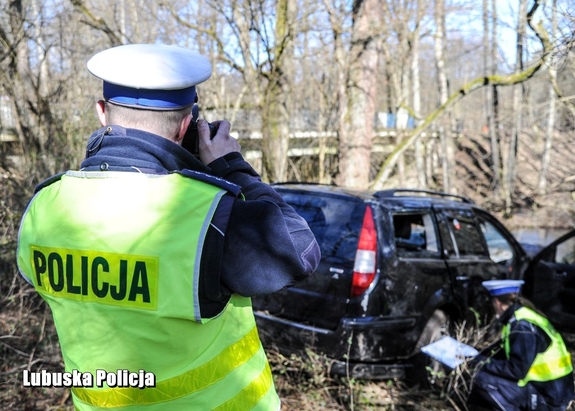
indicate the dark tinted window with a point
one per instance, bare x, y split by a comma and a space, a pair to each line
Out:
415, 234
335, 221
467, 237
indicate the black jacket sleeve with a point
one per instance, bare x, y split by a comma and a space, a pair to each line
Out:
267, 245
525, 342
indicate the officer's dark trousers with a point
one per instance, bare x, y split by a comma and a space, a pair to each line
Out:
495, 393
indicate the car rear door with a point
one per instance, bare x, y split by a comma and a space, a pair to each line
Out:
550, 281
418, 273
466, 252
322, 299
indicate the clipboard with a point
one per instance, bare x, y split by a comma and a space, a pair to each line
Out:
449, 351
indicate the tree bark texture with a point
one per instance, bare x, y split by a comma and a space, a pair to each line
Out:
357, 111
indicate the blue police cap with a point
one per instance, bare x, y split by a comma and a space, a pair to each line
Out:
150, 76
501, 287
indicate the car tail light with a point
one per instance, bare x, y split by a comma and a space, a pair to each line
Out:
365, 257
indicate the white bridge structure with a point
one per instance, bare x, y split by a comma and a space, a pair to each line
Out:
245, 126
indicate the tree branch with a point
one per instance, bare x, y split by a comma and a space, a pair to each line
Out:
213, 35
97, 23
494, 80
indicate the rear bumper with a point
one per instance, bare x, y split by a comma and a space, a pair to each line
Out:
362, 348
352, 324
373, 324
364, 371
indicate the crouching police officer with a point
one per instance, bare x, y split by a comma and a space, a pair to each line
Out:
532, 370
148, 255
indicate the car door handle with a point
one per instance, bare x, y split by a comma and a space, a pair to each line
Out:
558, 274
462, 278
336, 272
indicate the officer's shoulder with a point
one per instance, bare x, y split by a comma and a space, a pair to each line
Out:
48, 181
213, 180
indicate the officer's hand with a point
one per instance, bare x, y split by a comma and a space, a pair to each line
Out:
220, 145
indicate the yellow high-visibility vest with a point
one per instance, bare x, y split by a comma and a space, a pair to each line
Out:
117, 257
553, 363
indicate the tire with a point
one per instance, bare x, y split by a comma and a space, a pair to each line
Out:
424, 371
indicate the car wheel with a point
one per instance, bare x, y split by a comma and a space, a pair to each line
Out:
425, 371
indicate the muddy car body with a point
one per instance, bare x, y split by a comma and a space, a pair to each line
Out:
397, 268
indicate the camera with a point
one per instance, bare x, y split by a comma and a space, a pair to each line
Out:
191, 141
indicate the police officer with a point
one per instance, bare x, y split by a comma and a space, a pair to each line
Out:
532, 368
148, 255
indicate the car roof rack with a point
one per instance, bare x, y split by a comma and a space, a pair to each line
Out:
393, 192
303, 183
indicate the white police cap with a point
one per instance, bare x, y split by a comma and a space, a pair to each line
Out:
501, 287
150, 76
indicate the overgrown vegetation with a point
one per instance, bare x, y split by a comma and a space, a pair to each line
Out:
48, 114
28, 341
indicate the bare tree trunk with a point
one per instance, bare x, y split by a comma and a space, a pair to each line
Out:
123, 35
445, 132
322, 125
357, 116
275, 111
41, 52
545, 160
494, 129
490, 59
486, 60
419, 146
402, 114
517, 110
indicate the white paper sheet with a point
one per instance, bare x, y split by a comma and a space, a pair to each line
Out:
449, 351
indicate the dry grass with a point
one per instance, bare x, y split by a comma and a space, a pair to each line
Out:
28, 341
305, 384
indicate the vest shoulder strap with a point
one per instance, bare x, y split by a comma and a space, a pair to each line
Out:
196, 175
533, 317
213, 180
48, 181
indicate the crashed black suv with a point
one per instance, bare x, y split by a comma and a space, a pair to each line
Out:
397, 267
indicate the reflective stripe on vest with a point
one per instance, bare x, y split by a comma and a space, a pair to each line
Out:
117, 257
553, 363
190, 382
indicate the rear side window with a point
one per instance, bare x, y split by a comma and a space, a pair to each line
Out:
335, 222
415, 234
566, 252
468, 238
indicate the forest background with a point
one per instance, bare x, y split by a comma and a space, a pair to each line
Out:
470, 97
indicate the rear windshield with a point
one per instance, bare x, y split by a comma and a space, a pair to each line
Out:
335, 222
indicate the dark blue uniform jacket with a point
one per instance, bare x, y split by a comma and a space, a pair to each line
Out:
267, 246
526, 340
